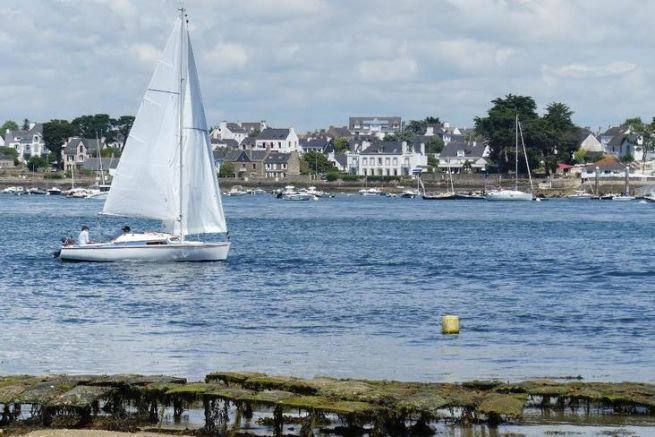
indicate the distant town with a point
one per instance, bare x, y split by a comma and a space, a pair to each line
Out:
371, 146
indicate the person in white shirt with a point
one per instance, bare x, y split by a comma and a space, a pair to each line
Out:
84, 238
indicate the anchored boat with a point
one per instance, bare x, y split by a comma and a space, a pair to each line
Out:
166, 171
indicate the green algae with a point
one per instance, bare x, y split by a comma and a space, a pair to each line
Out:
81, 396
505, 406
326, 405
385, 406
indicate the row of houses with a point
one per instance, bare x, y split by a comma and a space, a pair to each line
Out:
618, 141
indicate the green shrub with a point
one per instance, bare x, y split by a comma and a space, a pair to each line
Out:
349, 177
332, 176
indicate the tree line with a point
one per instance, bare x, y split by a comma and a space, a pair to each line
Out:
56, 131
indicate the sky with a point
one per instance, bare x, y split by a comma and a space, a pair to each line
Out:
313, 63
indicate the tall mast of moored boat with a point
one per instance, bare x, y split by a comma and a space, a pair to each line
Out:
516, 153
181, 112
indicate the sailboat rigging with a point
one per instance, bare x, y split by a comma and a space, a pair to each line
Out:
515, 194
166, 171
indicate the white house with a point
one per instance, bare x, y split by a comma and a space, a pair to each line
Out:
320, 145
229, 131
278, 140
377, 126
589, 142
626, 144
388, 158
456, 155
27, 143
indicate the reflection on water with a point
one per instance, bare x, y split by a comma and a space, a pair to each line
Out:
348, 287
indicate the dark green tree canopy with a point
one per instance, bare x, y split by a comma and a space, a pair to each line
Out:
55, 134
418, 127
317, 162
9, 124
549, 139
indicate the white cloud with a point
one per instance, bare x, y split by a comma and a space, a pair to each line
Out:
337, 58
387, 70
583, 71
146, 53
227, 57
123, 8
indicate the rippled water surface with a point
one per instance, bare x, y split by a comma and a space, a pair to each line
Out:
348, 287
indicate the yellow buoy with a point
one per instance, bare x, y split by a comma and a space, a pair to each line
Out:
449, 324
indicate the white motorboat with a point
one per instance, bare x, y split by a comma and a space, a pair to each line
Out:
314, 192
166, 171
76, 193
237, 190
290, 193
580, 195
54, 191
501, 194
371, 192
623, 198
37, 192
409, 193
14, 190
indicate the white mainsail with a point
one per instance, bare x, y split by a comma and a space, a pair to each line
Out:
147, 182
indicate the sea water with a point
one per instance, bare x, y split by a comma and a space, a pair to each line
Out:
347, 287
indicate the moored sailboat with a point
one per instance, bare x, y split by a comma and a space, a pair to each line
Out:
166, 171
515, 194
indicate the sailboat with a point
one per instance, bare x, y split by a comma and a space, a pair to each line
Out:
166, 171
515, 194
451, 194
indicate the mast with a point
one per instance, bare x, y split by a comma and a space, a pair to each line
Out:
525, 154
102, 174
181, 112
516, 153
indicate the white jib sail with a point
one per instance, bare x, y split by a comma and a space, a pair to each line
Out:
202, 209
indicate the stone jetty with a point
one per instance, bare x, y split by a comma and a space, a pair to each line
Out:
234, 402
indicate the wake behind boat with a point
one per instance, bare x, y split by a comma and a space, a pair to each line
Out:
166, 171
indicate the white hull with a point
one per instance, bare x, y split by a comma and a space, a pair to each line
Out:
169, 252
505, 195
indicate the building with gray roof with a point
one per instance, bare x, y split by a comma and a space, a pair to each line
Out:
27, 143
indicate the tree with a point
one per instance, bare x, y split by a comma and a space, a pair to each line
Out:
627, 158
55, 134
560, 136
37, 162
92, 126
107, 152
435, 145
123, 126
498, 127
9, 151
26, 124
8, 125
341, 145
646, 133
254, 133
418, 127
580, 156
317, 162
433, 162
226, 170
